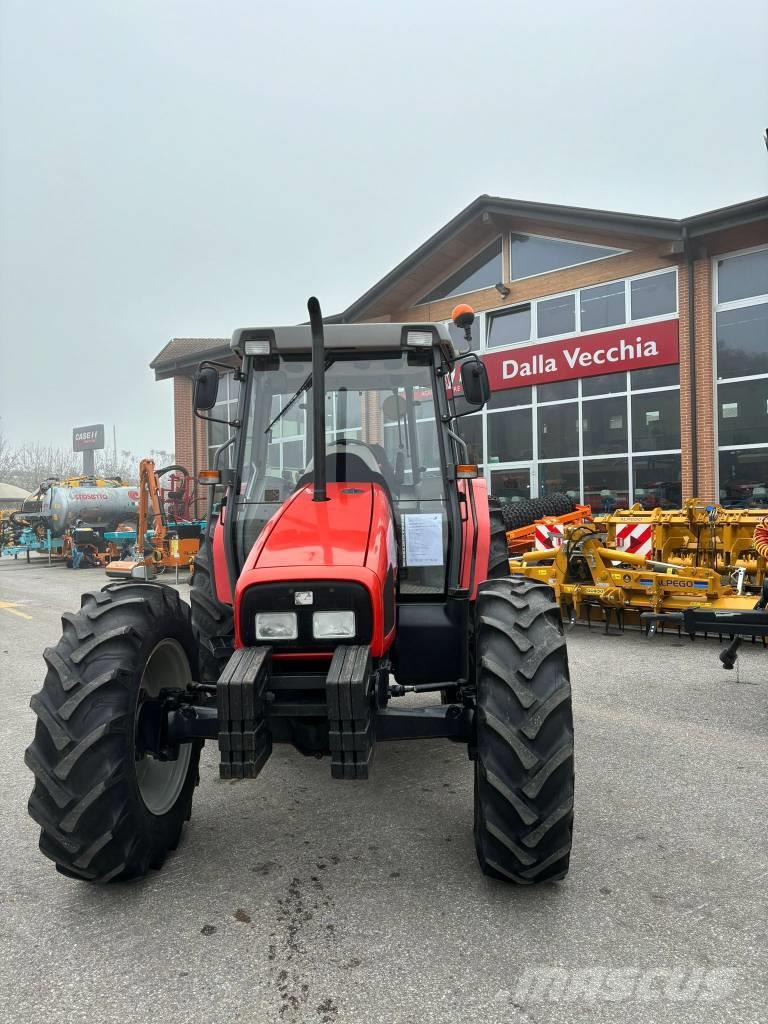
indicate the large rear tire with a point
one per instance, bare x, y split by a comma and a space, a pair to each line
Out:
498, 555
524, 776
211, 619
108, 811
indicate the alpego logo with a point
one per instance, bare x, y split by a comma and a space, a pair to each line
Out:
634, 348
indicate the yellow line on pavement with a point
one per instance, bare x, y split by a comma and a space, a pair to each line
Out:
10, 606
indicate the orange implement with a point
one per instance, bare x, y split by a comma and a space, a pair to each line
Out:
524, 538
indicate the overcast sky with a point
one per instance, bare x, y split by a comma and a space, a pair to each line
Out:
185, 167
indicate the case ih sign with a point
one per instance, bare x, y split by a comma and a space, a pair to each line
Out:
88, 439
628, 348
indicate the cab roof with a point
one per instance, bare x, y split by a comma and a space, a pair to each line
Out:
362, 337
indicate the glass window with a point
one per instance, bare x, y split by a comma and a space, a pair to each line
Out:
458, 338
604, 426
509, 327
293, 455
429, 455
556, 316
560, 478
655, 377
742, 341
558, 431
484, 271
653, 296
743, 412
606, 484
471, 431
744, 478
509, 397
217, 432
742, 277
510, 436
558, 391
604, 384
535, 254
602, 306
656, 481
511, 485
656, 421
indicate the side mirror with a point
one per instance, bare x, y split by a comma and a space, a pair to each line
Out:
474, 384
206, 389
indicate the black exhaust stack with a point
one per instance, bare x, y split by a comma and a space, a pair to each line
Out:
318, 400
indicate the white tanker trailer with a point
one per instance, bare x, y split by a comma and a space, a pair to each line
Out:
59, 507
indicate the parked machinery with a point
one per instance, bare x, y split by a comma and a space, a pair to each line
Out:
161, 540
587, 573
698, 535
69, 517
545, 521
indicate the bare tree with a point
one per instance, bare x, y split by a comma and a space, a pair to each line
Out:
7, 460
29, 465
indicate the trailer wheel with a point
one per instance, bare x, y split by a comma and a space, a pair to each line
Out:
524, 777
211, 619
107, 810
522, 513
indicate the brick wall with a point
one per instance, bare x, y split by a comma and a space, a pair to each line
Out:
183, 421
704, 405
190, 453
686, 456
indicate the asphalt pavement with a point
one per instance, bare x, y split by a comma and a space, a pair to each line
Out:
297, 898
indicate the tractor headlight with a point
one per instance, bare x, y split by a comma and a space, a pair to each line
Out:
333, 625
276, 626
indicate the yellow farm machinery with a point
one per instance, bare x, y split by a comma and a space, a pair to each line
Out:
658, 562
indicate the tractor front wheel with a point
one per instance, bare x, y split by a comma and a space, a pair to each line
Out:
524, 776
108, 809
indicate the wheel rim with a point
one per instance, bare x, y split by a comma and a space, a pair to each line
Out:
161, 782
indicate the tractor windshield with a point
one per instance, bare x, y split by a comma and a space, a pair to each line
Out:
379, 409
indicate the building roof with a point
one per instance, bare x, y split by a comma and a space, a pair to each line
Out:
469, 230
488, 209
10, 492
181, 353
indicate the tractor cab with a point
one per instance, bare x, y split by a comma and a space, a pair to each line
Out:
388, 402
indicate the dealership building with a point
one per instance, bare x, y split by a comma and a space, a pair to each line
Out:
627, 355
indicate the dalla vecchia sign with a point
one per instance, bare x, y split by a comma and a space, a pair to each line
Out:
627, 348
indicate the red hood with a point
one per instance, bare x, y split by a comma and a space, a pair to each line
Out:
318, 533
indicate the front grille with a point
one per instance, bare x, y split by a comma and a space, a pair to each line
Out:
329, 595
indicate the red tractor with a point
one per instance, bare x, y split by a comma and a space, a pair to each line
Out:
355, 557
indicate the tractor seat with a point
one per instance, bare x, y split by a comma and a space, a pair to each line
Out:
350, 464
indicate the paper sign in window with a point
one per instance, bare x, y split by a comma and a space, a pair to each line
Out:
423, 537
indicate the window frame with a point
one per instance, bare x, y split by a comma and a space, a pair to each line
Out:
483, 316
427, 301
719, 307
